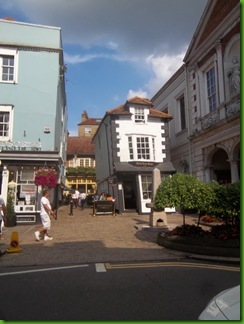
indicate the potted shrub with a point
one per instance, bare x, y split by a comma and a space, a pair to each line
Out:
10, 219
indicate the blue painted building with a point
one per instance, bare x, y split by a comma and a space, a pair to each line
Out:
33, 111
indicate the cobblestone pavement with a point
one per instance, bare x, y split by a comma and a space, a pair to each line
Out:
83, 238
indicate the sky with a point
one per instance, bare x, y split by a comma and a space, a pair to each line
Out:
113, 49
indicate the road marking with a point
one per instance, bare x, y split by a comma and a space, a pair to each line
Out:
110, 266
42, 270
100, 267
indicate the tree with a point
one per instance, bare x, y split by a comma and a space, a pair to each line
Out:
178, 190
227, 202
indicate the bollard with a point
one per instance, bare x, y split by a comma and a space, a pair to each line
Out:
71, 204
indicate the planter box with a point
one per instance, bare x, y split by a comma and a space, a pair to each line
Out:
199, 245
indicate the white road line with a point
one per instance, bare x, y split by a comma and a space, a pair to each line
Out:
100, 267
42, 270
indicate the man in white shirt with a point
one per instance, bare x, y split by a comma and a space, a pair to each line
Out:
46, 211
82, 200
75, 198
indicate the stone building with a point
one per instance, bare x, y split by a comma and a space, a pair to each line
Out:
131, 141
204, 98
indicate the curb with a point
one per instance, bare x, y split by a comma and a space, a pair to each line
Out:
214, 258
198, 246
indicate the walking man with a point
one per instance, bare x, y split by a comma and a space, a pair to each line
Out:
82, 200
46, 211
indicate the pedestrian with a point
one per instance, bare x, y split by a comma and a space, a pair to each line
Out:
46, 211
2, 213
82, 200
75, 197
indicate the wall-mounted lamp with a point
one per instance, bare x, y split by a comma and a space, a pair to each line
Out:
24, 133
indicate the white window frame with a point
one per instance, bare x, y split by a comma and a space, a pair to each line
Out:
140, 116
27, 175
202, 72
177, 109
211, 94
88, 130
133, 147
8, 109
4, 52
146, 187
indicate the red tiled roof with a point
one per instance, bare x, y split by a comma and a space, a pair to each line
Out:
91, 121
140, 101
80, 145
8, 18
123, 109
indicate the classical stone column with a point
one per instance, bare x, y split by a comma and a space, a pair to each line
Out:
234, 171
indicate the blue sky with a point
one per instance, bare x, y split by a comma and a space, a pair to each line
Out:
113, 49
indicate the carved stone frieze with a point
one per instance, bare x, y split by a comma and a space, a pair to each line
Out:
210, 120
233, 108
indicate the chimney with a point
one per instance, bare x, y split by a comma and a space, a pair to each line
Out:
84, 116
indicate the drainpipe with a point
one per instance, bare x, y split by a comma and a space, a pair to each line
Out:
188, 112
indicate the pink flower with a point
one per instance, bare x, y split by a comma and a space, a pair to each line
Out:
46, 177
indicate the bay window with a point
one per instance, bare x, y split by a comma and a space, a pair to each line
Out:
141, 148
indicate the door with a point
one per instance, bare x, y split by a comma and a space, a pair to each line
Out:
129, 194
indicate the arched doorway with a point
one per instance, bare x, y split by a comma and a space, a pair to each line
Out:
221, 167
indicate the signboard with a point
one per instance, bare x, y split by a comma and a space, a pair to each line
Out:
103, 207
25, 219
112, 181
144, 164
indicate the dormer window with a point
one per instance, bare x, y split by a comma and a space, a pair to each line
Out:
139, 115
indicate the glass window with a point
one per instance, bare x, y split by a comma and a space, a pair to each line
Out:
139, 115
7, 68
130, 148
211, 89
143, 149
182, 113
27, 175
146, 182
88, 130
4, 123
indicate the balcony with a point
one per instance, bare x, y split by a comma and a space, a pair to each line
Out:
20, 146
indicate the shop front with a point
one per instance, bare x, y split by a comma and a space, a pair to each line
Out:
18, 182
133, 186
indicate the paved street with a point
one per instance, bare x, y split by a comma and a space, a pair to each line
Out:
83, 238
132, 291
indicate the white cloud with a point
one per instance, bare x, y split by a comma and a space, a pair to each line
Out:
77, 58
163, 67
116, 98
137, 93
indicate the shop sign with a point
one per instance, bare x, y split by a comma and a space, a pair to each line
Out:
143, 164
25, 219
112, 181
104, 207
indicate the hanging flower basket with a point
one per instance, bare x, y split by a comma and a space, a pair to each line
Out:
46, 177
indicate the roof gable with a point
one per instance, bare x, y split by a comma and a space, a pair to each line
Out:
124, 108
215, 12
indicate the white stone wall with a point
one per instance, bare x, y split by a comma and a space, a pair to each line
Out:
125, 128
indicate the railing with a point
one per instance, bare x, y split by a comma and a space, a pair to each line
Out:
20, 146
